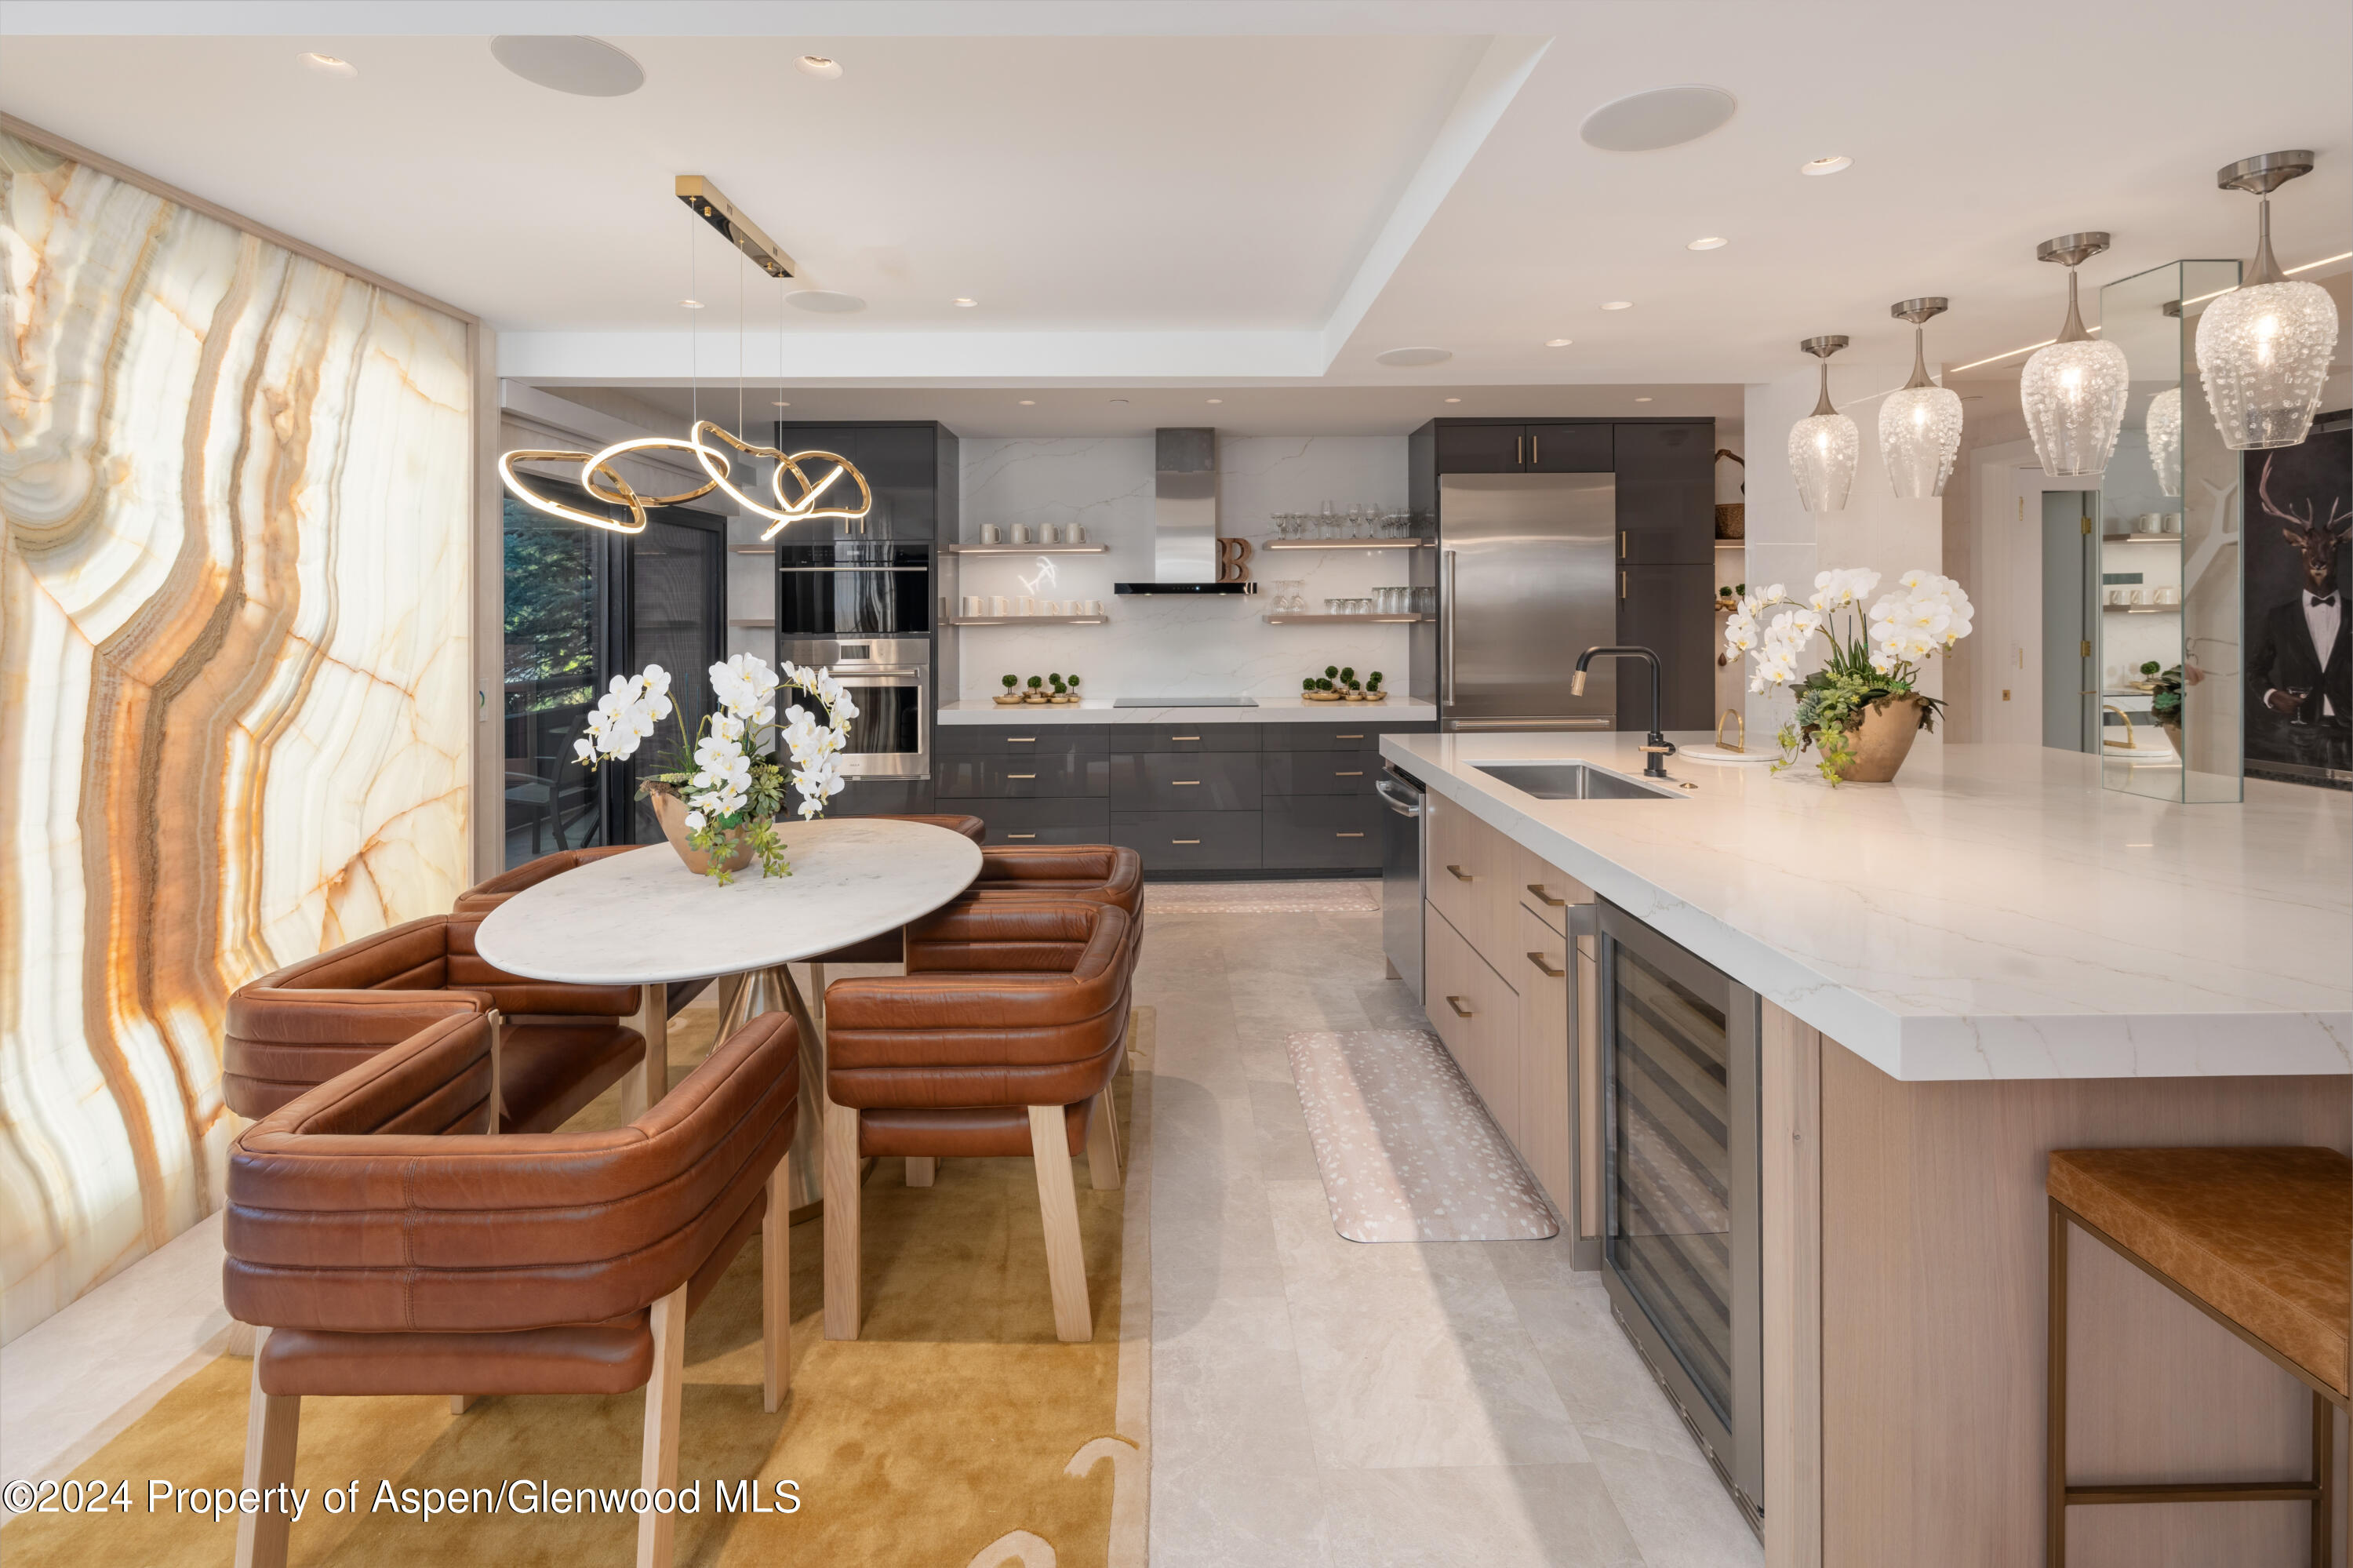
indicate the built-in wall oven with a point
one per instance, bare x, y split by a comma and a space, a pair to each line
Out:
1681, 1237
889, 679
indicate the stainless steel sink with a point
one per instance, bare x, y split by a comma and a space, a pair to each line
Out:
1570, 781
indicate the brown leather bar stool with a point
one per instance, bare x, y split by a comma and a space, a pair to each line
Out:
1001, 1038
384, 1249
294, 1028
2261, 1240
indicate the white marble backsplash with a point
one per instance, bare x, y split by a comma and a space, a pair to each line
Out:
1175, 646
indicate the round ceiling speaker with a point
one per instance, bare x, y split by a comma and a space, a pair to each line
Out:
1663, 117
825, 301
588, 68
1407, 357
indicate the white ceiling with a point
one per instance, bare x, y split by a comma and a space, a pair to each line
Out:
1217, 196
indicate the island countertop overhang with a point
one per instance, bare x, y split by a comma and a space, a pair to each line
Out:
1994, 914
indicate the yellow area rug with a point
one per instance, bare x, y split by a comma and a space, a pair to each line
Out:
958, 1432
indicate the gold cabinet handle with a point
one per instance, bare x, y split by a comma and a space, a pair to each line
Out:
1549, 972
1461, 874
1359, 773
1021, 835
1184, 840
1547, 898
1536, 449
1021, 776
1348, 737
1020, 740
1184, 780
1184, 738
1347, 835
1461, 1011
1518, 445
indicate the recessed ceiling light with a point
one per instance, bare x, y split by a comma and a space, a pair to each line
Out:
781, 404
1617, 305
1454, 399
1641, 399
1029, 402
825, 301
586, 67
1709, 242
690, 305
328, 64
1558, 342
1408, 357
1662, 117
1829, 165
964, 302
1217, 399
819, 66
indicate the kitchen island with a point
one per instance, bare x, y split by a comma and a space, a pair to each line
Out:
1991, 958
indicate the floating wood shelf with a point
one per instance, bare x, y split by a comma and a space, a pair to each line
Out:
1029, 620
1345, 619
1024, 549
1351, 545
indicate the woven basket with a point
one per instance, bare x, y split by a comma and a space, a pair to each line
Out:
1732, 520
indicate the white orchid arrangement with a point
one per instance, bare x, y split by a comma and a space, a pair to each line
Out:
728, 774
1876, 657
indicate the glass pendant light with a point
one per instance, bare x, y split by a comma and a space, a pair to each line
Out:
2264, 348
2073, 388
1920, 426
2165, 439
1823, 445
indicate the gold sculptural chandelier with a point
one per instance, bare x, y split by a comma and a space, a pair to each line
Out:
817, 500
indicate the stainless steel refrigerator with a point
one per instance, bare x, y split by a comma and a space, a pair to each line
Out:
1528, 579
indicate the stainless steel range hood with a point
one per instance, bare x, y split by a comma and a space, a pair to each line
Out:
1185, 517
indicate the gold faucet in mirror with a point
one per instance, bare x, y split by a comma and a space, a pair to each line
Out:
1735, 716
2126, 743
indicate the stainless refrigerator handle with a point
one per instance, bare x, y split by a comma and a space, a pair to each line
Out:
1446, 611
1388, 790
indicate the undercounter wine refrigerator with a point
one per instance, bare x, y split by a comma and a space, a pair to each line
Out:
1681, 1248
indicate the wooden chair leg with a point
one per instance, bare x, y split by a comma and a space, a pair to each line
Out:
1058, 1201
272, 1420
922, 1169
658, 1461
1102, 1142
842, 1222
776, 1291
2324, 1475
2054, 1401
656, 1066
817, 993
461, 1402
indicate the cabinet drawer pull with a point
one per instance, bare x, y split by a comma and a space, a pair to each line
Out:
1184, 840
1461, 1011
1020, 740
1461, 874
1021, 835
1347, 835
1184, 738
1359, 773
1547, 898
1348, 737
1184, 781
1549, 972
1021, 776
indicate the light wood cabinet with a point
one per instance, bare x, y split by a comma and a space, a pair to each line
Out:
1510, 987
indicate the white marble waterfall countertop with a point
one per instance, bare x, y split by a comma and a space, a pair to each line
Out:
1270, 710
1992, 913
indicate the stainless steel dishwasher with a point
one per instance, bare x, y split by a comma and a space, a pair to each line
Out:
1401, 875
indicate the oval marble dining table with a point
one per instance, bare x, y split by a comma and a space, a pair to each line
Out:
644, 919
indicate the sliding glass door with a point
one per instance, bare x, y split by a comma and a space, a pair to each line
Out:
583, 605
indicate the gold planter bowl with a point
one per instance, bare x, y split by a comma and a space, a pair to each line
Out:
671, 811
1882, 739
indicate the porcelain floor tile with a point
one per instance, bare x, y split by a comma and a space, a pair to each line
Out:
1479, 1517
1678, 1511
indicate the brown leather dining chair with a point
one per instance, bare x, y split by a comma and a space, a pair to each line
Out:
1001, 1038
296, 1028
386, 1246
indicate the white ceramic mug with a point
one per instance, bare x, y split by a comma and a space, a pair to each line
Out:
1052, 534
2166, 595
1026, 606
1094, 607
990, 533
1078, 532
1000, 605
2135, 596
1021, 533
972, 604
